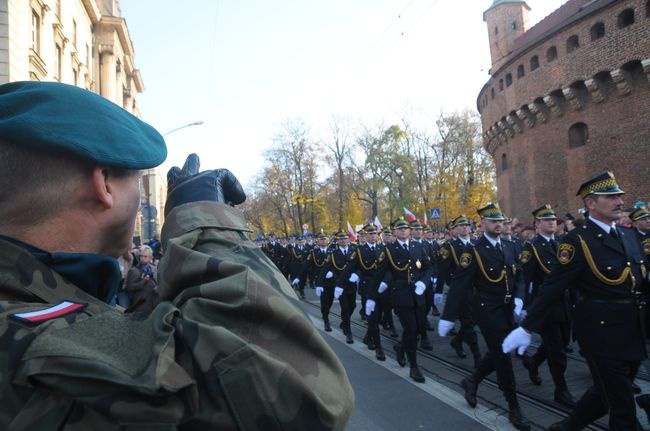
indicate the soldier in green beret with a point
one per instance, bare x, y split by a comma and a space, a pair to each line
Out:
70, 165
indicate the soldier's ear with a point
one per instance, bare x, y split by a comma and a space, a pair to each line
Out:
101, 188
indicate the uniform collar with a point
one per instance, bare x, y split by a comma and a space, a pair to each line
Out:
604, 226
494, 242
547, 238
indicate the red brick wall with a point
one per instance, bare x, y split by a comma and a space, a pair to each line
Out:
541, 166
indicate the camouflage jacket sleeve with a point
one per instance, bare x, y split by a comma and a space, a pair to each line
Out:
227, 348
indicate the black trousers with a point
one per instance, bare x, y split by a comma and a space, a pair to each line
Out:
373, 325
552, 350
386, 310
348, 300
495, 359
611, 393
410, 318
467, 333
326, 301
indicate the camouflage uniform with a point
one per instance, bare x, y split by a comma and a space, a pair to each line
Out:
224, 350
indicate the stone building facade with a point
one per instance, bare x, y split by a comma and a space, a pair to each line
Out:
567, 100
84, 43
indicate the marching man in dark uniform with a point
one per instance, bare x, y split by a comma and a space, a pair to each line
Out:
274, 251
537, 259
385, 304
490, 270
298, 265
406, 268
640, 218
315, 262
363, 268
417, 232
449, 255
344, 290
604, 265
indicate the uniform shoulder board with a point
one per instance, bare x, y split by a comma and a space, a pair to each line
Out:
465, 260
565, 253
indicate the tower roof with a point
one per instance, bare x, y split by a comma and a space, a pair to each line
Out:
500, 2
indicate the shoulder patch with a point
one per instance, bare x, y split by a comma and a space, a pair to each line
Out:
646, 246
465, 260
525, 256
565, 253
444, 253
61, 309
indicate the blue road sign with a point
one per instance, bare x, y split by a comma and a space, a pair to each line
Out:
434, 213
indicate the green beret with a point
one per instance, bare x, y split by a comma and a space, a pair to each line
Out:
55, 117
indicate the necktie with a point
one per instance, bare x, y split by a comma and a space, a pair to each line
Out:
614, 234
406, 247
553, 245
498, 247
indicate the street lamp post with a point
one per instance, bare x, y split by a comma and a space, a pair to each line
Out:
196, 123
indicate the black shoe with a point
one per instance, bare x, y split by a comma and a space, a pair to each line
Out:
401, 359
533, 373
349, 339
416, 375
470, 388
379, 354
518, 420
302, 295
457, 345
371, 345
328, 328
426, 345
635, 388
643, 401
434, 311
560, 426
565, 398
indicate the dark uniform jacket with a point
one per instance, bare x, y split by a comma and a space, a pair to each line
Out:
400, 270
449, 253
364, 265
336, 263
537, 259
297, 261
608, 277
316, 260
496, 280
432, 249
275, 252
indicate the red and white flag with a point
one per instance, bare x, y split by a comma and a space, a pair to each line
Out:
425, 219
409, 215
378, 224
351, 233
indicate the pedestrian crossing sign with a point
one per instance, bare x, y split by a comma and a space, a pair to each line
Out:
435, 213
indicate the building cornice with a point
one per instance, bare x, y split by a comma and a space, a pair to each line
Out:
119, 25
92, 10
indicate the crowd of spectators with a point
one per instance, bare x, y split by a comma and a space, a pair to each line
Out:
138, 291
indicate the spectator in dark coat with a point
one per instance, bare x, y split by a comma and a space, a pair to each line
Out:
141, 283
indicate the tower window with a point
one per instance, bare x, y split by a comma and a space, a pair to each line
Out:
508, 80
492, 92
500, 84
534, 62
578, 135
626, 18
572, 43
597, 31
551, 54
504, 161
496, 30
514, 25
520, 71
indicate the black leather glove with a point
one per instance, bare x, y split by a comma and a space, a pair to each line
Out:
189, 185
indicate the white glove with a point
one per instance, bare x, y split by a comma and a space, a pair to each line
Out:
444, 326
530, 288
420, 288
295, 282
329, 274
382, 286
338, 291
319, 291
519, 305
354, 278
517, 339
433, 280
523, 315
437, 298
370, 307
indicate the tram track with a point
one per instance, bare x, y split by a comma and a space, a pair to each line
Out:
535, 401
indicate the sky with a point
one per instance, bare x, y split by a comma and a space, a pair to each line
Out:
243, 67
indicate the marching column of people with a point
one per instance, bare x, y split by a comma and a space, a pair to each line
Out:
593, 278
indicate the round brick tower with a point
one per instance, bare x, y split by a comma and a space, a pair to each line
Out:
567, 100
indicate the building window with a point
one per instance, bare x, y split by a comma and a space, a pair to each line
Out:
578, 135
87, 55
572, 43
508, 80
492, 92
496, 30
520, 71
534, 62
551, 54
57, 62
504, 162
500, 84
514, 25
36, 32
75, 77
626, 18
597, 31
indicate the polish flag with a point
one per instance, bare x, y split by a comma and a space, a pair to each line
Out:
409, 215
425, 219
378, 224
351, 233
